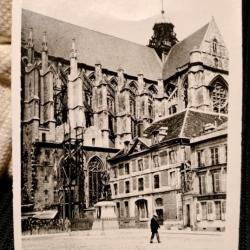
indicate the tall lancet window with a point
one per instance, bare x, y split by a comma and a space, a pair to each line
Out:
219, 96
215, 45
185, 92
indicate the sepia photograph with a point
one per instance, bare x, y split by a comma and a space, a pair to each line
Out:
126, 124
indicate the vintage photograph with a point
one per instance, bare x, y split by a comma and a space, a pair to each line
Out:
124, 124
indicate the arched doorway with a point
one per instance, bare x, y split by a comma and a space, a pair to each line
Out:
97, 180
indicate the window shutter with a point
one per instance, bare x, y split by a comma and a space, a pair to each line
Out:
134, 183
213, 213
164, 178
198, 211
122, 209
121, 187
222, 154
207, 157
209, 182
223, 180
146, 162
217, 182
134, 166
164, 157
223, 210
146, 181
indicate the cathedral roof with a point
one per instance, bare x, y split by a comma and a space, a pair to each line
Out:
186, 124
179, 53
93, 47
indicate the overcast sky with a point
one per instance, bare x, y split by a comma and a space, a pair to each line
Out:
134, 19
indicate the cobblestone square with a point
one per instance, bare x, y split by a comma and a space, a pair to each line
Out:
124, 240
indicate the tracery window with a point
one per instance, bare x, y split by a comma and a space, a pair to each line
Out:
60, 97
96, 176
219, 97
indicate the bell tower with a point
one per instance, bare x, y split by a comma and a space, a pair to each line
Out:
164, 36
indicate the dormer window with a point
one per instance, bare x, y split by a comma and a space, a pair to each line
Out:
155, 137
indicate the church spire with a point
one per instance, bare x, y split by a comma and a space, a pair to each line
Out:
162, 10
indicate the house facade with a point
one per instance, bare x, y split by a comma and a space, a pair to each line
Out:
204, 196
105, 118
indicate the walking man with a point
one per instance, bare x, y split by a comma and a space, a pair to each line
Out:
154, 225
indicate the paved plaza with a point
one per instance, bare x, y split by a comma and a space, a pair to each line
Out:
133, 239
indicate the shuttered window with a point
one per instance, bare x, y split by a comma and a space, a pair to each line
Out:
164, 178
140, 165
172, 157
156, 181
115, 188
217, 210
204, 210
134, 166
121, 187
156, 161
164, 157
209, 208
120, 169
200, 158
172, 179
216, 178
146, 162
203, 184
127, 168
134, 183
197, 208
126, 209
127, 187
146, 179
214, 156
223, 207
140, 184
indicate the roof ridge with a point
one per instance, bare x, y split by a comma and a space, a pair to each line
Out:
201, 28
83, 27
208, 112
179, 54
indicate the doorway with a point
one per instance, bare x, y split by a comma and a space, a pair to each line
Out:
159, 213
188, 215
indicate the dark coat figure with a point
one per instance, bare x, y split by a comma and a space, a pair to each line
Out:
154, 225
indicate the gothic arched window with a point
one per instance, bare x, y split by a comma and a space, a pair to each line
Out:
97, 179
219, 96
185, 92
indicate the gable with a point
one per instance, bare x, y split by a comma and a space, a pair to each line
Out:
180, 52
207, 47
139, 145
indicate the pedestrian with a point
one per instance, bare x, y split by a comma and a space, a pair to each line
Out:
67, 225
154, 225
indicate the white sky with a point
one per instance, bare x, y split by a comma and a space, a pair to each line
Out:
134, 19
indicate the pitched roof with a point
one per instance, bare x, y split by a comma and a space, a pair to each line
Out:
179, 53
173, 123
93, 47
186, 124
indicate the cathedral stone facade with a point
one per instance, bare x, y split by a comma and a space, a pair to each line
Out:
105, 118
